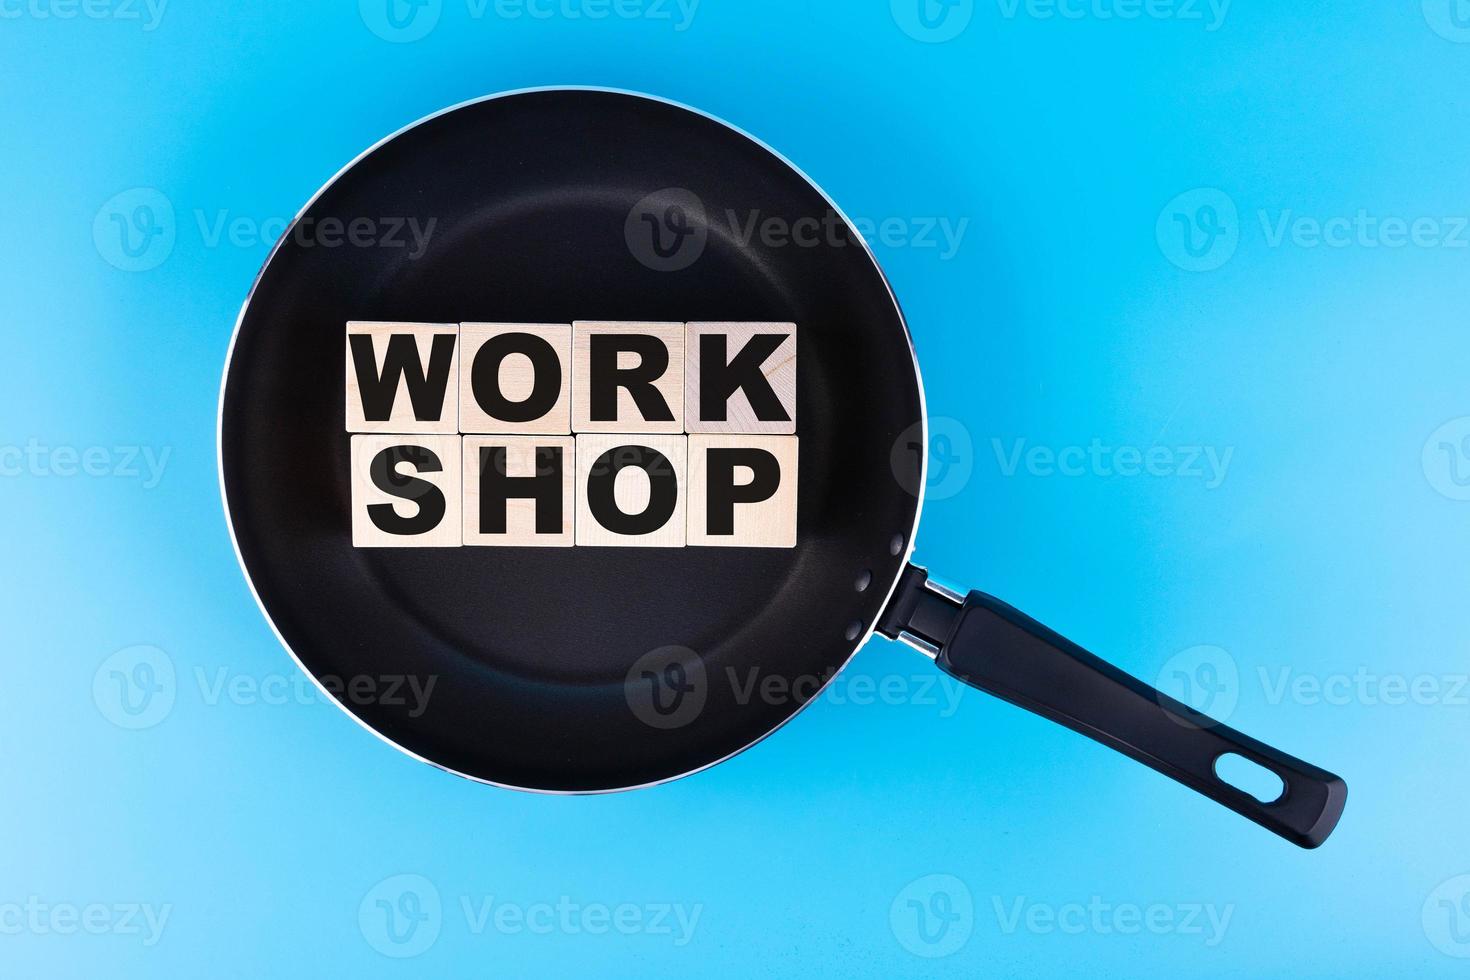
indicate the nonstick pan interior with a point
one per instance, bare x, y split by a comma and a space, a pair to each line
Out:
530, 649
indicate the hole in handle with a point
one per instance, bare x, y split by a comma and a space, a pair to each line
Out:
1249, 777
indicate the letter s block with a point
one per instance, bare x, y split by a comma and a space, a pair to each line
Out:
627, 377
518, 491
405, 491
402, 377
741, 377
742, 491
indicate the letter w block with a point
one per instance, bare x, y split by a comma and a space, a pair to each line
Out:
402, 377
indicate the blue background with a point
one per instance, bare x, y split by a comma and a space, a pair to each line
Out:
1332, 548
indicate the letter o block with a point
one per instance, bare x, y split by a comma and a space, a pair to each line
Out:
515, 377
631, 490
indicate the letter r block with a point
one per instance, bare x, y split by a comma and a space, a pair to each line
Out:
742, 491
402, 377
741, 377
627, 377
405, 491
518, 491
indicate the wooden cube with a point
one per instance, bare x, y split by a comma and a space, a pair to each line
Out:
631, 490
405, 491
740, 377
402, 377
515, 377
518, 491
742, 490
627, 377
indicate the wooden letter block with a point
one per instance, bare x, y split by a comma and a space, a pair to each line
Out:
402, 377
518, 491
740, 377
627, 377
405, 491
515, 377
631, 490
742, 491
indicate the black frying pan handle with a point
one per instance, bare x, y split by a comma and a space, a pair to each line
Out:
989, 645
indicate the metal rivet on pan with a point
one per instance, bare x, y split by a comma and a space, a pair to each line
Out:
895, 547
854, 630
864, 579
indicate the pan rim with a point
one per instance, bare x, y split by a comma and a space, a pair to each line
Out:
286, 235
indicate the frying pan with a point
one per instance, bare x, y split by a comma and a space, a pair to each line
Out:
594, 669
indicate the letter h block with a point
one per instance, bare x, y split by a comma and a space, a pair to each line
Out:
518, 491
